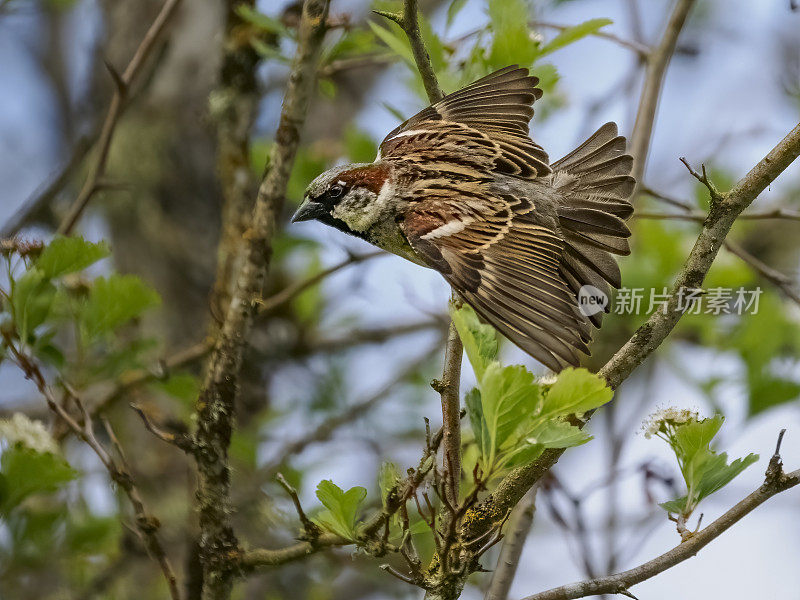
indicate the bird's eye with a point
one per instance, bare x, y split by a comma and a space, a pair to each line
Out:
335, 191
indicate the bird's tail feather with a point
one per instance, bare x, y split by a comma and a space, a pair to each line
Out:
595, 185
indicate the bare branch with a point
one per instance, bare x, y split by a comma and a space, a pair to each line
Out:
298, 287
778, 279
657, 63
775, 482
357, 410
517, 534
118, 101
311, 530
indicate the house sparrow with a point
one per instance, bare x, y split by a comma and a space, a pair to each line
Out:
461, 188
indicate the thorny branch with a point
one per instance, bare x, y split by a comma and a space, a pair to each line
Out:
775, 482
118, 101
146, 524
215, 406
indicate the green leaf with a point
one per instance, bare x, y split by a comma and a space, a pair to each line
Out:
114, 301
388, 478
573, 34
396, 42
558, 434
32, 298
512, 41
479, 339
676, 506
508, 396
24, 472
718, 473
576, 391
66, 255
477, 421
453, 10
262, 21
342, 508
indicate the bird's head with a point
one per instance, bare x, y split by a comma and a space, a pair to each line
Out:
351, 197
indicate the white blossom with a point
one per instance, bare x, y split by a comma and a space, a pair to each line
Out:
667, 418
32, 434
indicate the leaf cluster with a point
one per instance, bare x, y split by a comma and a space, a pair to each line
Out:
514, 417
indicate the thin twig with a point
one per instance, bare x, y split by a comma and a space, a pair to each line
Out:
777, 214
118, 102
311, 530
298, 287
641, 50
147, 525
657, 63
775, 482
409, 23
517, 534
778, 279
357, 410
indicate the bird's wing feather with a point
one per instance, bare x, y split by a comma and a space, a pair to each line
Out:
506, 266
491, 115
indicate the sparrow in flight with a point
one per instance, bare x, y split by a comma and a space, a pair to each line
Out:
461, 188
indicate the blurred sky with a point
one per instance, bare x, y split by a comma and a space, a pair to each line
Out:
724, 107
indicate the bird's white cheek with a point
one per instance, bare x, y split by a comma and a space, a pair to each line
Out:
357, 216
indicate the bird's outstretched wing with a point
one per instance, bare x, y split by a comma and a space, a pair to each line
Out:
484, 125
518, 265
506, 266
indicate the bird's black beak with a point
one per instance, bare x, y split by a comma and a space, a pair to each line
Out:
308, 211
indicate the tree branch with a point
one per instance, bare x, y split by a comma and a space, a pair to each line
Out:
508, 561
775, 482
118, 102
657, 62
215, 406
655, 330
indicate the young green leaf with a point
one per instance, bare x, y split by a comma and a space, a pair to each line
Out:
453, 10
66, 255
114, 301
557, 434
575, 391
32, 298
573, 34
508, 396
397, 43
388, 478
511, 41
342, 508
479, 339
24, 472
